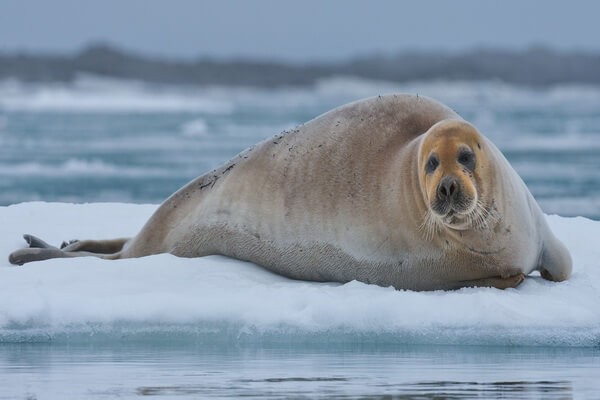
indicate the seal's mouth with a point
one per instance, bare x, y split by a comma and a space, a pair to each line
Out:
458, 208
453, 215
454, 218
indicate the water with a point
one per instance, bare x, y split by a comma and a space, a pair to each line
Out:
110, 140
196, 371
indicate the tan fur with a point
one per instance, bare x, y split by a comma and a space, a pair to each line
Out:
344, 197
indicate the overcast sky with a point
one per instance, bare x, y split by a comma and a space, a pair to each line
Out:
301, 30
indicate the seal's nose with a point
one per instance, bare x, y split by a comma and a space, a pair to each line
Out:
447, 189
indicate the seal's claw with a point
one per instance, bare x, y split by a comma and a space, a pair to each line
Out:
511, 281
518, 279
66, 243
546, 275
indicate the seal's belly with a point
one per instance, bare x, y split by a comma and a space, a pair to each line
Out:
325, 262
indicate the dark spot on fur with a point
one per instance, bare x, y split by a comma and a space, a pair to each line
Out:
478, 146
228, 169
210, 183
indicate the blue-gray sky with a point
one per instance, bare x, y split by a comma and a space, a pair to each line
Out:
301, 30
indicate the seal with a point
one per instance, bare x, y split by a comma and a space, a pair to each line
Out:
395, 190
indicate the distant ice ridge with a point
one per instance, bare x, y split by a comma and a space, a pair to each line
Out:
216, 299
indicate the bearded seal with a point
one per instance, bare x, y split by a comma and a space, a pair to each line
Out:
395, 190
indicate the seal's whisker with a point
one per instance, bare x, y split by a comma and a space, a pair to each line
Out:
430, 225
481, 217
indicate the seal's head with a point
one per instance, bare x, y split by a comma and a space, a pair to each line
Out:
451, 161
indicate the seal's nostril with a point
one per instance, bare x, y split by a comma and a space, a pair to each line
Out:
448, 188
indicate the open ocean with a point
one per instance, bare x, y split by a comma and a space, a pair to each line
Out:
124, 141
164, 327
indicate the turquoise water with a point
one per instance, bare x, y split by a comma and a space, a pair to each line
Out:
100, 140
128, 371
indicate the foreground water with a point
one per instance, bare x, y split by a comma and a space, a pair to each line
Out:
199, 371
110, 140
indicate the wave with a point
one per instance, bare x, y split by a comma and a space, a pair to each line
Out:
195, 127
215, 299
78, 167
571, 206
460, 93
89, 93
102, 97
562, 142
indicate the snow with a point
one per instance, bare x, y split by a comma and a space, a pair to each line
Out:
217, 299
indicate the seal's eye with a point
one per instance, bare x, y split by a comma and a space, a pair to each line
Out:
467, 158
432, 164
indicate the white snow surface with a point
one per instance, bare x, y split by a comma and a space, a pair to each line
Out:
217, 299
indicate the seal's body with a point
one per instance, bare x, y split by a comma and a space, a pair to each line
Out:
395, 190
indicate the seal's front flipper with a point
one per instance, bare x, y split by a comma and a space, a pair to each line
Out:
36, 242
496, 282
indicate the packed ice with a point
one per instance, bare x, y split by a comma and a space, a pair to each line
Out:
220, 299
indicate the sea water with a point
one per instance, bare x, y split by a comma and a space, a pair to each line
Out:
110, 140
155, 370
84, 329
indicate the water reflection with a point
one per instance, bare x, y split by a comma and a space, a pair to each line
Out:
513, 390
344, 372
421, 390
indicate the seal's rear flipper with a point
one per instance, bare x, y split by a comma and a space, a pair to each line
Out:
23, 256
36, 242
39, 250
